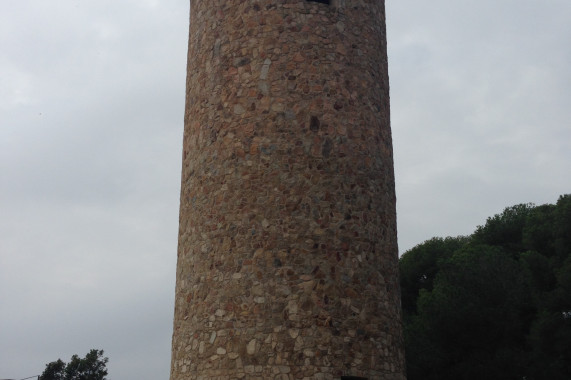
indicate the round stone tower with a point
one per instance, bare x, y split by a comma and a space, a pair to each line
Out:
287, 258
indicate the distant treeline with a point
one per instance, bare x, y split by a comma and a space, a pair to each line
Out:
495, 304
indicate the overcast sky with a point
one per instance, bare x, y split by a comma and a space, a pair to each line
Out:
91, 112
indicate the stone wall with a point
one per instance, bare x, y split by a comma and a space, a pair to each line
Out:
287, 260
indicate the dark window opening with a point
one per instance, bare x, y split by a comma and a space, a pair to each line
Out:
353, 378
320, 1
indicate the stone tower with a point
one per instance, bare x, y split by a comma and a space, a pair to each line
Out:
287, 257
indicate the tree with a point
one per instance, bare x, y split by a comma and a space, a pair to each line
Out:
419, 266
92, 367
495, 304
54, 371
471, 319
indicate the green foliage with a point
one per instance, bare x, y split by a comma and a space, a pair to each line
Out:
506, 229
420, 265
494, 305
92, 367
54, 370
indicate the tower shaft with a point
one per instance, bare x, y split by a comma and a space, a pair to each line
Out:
287, 259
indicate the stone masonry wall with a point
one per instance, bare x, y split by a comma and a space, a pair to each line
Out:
287, 259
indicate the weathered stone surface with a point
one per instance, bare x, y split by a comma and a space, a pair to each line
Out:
287, 259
